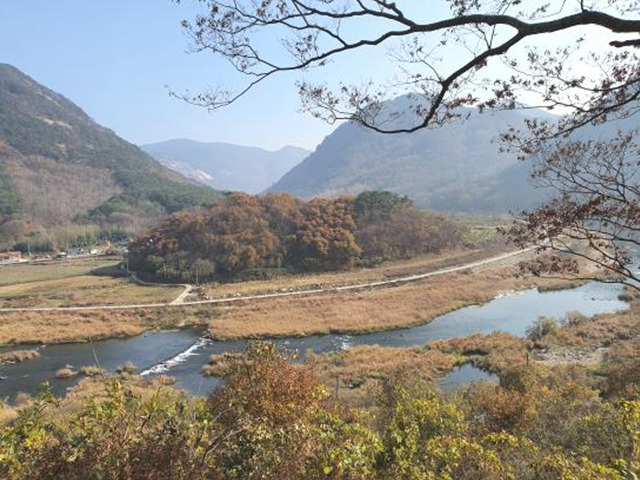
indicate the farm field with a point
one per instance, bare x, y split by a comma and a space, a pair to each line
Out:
72, 284
21, 273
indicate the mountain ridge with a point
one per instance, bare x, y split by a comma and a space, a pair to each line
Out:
65, 169
457, 167
226, 166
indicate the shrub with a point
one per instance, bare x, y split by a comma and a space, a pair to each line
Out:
66, 373
127, 367
542, 327
274, 420
91, 370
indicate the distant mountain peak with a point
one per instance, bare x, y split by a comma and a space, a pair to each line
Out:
228, 166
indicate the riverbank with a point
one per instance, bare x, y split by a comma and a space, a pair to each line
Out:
348, 311
588, 348
182, 353
355, 312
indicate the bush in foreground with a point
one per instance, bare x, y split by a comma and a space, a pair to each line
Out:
275, 420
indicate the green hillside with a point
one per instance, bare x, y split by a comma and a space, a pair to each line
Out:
59, 168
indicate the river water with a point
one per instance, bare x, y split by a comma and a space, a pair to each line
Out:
182, 353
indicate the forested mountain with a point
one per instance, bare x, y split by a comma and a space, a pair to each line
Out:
457, 167
226, 166
60, 169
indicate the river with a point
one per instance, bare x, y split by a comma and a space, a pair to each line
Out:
182, 353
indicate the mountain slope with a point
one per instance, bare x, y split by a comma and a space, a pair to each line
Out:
225, 166
57, 166
457, 167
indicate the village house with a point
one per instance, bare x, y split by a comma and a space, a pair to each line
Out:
6, 257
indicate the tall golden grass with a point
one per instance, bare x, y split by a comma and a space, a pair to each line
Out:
366, 311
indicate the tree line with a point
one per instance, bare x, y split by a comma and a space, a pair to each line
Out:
259, 235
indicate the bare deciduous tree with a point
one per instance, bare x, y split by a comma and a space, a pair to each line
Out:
591, 75
312, 32
594, 214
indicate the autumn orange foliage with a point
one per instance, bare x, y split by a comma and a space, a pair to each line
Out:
265, 234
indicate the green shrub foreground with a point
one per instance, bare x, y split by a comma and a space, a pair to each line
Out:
275, 420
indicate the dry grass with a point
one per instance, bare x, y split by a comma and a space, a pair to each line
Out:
95, 389
355, 376
18, 273
66, 373
384, 271
18, 356
356, 365
350, 312
63, 327
7, 414
220, 365
83, 291
366, 311
91, 371
128, 368
494, 352
597, 331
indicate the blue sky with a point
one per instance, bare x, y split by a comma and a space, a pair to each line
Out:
114, 58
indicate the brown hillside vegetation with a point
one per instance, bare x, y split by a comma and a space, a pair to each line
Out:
40, 180
59, 168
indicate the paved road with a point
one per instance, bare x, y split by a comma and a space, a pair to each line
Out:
178, 302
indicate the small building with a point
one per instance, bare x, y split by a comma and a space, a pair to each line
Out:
7, 257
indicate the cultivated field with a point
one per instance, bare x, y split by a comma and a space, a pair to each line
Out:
20, 273
71, 283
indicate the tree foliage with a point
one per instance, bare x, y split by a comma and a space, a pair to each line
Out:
274, 420
246, 233
10, 201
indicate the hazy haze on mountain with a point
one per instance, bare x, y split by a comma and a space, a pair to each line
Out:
456, 167
226, 166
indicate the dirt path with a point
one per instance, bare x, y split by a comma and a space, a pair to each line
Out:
183, 295
178, 302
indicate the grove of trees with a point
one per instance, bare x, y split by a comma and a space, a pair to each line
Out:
257, 235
